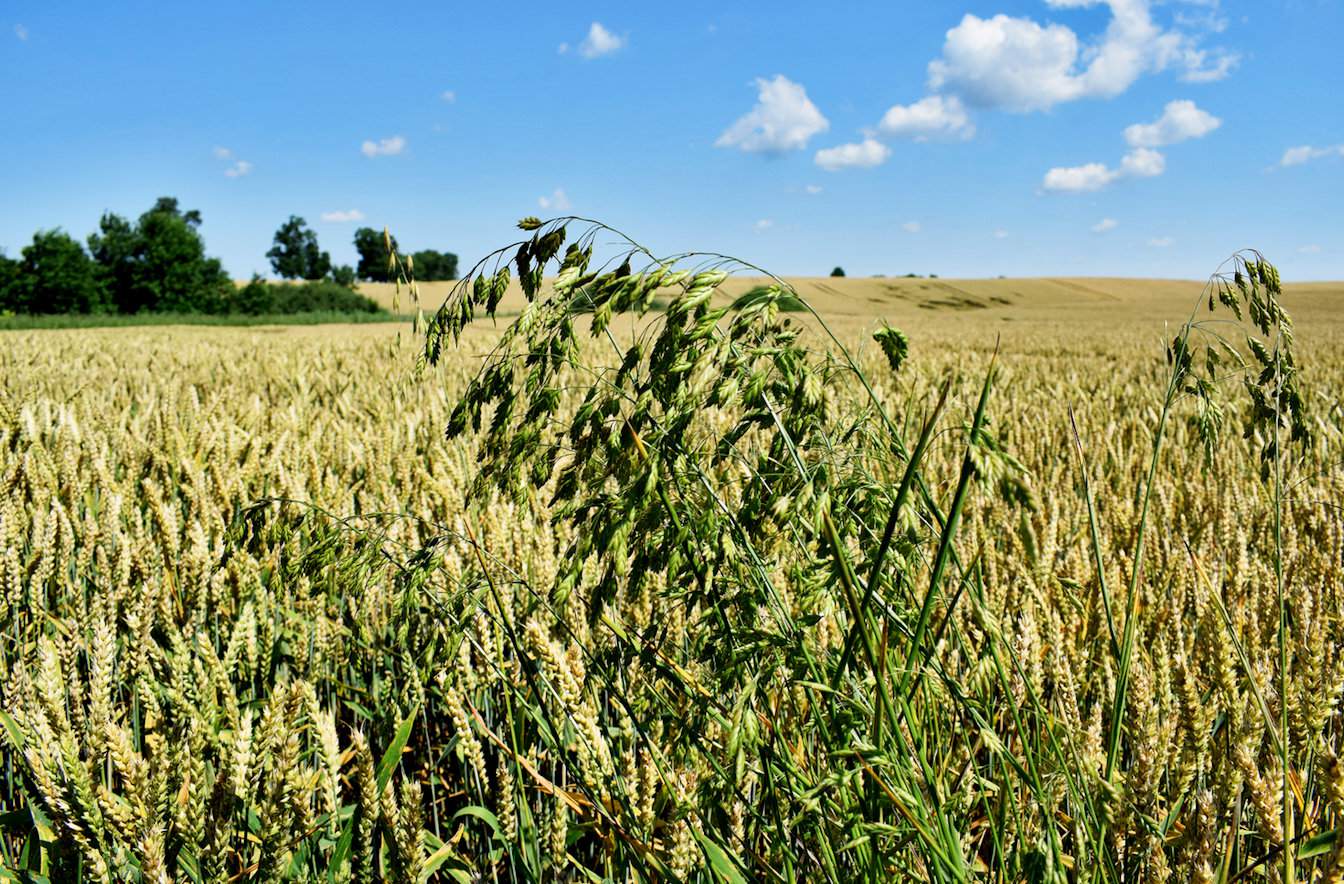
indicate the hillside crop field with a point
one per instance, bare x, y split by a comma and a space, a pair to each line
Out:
729, 611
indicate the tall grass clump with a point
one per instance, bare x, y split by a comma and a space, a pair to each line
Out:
785, 544
838, 691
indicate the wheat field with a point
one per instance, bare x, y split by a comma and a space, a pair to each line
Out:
262, 620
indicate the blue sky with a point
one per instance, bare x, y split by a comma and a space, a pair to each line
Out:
967, 138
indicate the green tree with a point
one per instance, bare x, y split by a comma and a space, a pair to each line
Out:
56, 275
373, 257
431, 265
295, 253
115, 248
9, 289
159, 263
839, 271
172, 272
344, 275
167, 205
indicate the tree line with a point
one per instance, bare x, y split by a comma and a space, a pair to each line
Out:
158, 264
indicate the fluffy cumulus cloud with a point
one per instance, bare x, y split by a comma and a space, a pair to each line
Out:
598, 42
860, 155
936, 116
1105, 225
383, 147
784, 118
1143, 162
1079, 179
344, 216
1018, 64
558, 201
933, 117
1296, 156
1180, 121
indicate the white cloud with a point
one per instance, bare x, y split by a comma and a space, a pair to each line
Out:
1161, 242
1180, 121
1105, 225
1008, 62
342, 217
911, 227
383, 147
1000, 234
237, 168
558, 200
862, 155
598, 43
783, 119
1079, 179
1208, 20
448, 95
562, 48
1203, 66
813, 189
763, 225
1296, 156
1312, 249
1143, 162
1020, 65
935, 116
21, 32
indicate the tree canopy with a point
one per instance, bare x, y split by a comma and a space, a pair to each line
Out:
158, 263
55, 275
373, 255
295, 253
429, 264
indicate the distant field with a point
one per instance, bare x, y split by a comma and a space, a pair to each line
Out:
1051, 298
29, 321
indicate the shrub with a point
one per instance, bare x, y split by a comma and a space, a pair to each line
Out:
260, 296
343, 275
